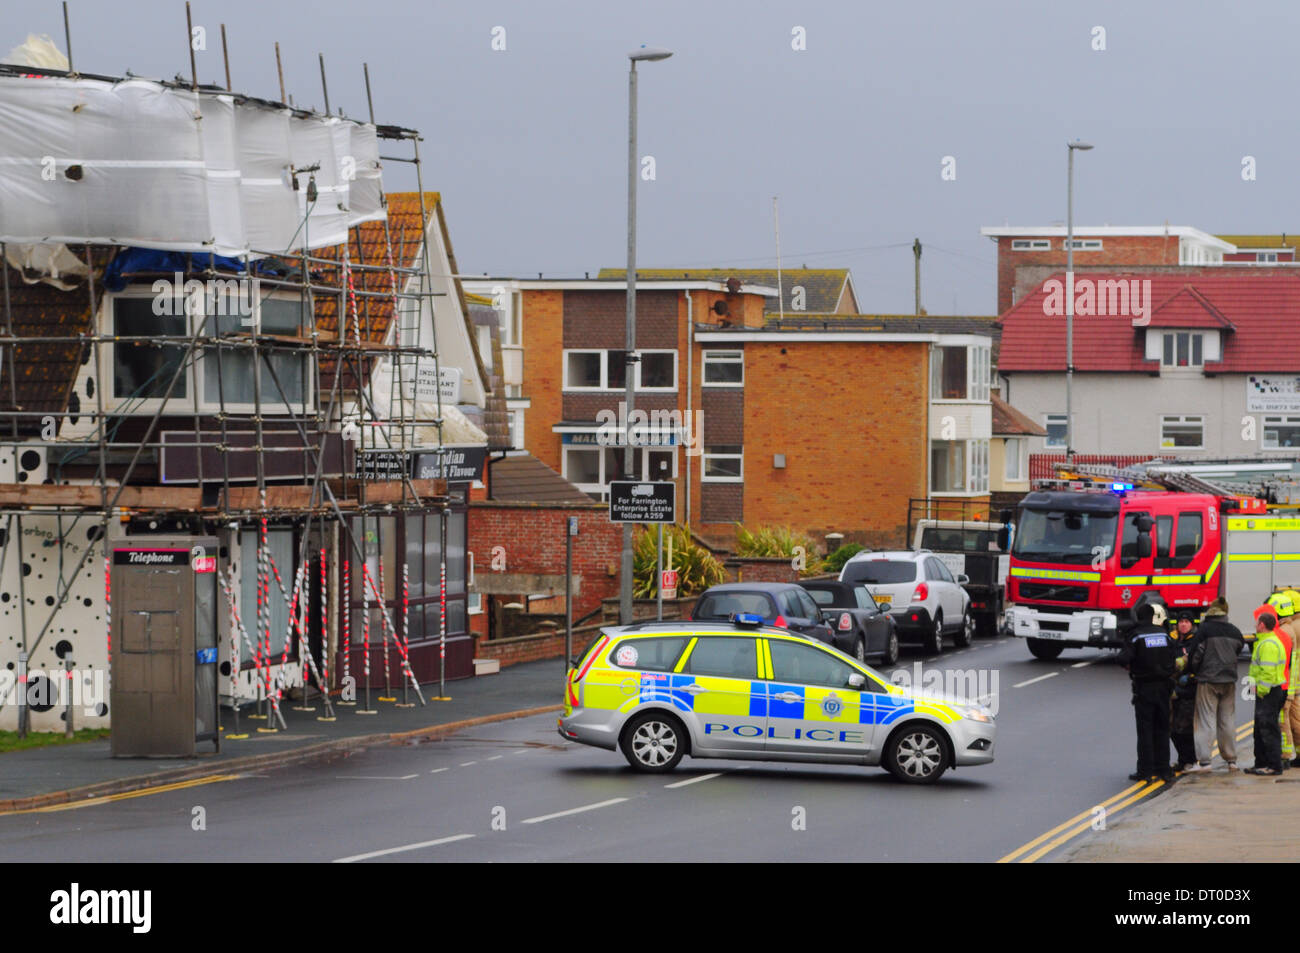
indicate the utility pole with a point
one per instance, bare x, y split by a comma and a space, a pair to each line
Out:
916, 255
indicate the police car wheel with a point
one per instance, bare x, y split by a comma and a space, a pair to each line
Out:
654, 742
966, 635
917, 755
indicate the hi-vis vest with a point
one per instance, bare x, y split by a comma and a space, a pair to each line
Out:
1268, 663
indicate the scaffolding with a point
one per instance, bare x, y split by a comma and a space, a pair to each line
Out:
239, 458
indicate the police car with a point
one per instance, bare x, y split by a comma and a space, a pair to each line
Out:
658, 691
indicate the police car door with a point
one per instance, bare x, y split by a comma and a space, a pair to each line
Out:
812, 709
728, 700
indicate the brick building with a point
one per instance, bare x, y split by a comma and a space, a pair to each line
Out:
822, 422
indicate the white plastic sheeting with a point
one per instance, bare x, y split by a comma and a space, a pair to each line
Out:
135, 162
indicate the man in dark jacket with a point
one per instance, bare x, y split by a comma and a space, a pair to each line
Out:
1182, 716
1214, 663
1151, 658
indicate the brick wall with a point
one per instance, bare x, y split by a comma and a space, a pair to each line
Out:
721, 503
760, 569
598, 319
543, 316
851, 421
533, 538
1029, 276
524, 648
1115, 250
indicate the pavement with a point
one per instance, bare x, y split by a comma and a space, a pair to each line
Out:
58, 774
1204, 817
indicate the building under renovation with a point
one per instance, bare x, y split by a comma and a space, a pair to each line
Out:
241, 406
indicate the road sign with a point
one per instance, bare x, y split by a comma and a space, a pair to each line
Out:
642, 502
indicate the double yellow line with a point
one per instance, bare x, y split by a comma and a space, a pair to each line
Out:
1044, 844
143, 792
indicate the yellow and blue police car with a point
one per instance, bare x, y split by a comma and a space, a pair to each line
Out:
659, 691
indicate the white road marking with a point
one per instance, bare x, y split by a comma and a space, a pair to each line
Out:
1081, 664
574, 810
403, 848
520, 751
1038, 679
468, 763
496, 757
702, 777
373, 777
437, 770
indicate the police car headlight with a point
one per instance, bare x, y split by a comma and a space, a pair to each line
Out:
976, 714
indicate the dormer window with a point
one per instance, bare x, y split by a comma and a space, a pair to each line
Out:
1182, 349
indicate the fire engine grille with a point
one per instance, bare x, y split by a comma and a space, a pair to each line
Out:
1053, 591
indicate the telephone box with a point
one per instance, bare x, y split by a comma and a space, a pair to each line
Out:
163, 697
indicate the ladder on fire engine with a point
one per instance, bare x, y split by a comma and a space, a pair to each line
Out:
1161, 474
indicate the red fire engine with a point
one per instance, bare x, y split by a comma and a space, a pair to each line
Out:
1088, 552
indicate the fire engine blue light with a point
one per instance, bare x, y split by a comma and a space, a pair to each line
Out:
1119, 487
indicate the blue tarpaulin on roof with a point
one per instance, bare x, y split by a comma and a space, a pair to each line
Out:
135, 261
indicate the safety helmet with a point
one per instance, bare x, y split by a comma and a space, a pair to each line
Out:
1283, 604
1158, 614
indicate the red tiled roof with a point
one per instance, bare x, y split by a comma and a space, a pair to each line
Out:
367, 246
1255, 313
1009, 421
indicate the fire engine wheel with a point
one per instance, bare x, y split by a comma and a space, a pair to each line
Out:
966, 634
1045, 650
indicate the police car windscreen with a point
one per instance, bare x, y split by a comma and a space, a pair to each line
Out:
1064, 536
880, 572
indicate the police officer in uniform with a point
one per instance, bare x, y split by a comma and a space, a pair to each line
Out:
1152, 660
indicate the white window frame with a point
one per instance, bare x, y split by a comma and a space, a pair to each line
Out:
194, 375
473, 603
655, 350
1266, 257
1031, 244
977, 466
602, 488
1176, 419
708, 456
1086, 244
722, 357
1048, 420
1276, 420
604, 369
978, 366
1017, 449
1192, 337
605, 358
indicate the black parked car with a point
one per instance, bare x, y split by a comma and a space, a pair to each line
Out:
861, 629
782, 604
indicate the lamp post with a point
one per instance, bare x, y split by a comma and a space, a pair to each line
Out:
630, 358
1069, 298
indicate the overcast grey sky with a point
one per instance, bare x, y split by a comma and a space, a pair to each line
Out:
528, 145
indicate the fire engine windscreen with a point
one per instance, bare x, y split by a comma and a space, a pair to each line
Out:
1063, 536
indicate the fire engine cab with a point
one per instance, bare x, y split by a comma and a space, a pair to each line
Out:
1087, 553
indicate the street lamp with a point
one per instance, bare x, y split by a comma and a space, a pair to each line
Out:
1069, 298
649, 55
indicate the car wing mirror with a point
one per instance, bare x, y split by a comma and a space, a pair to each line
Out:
857, 680
963, 579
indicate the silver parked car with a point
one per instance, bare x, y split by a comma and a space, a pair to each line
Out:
926, 602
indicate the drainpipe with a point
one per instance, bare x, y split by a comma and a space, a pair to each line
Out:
690, 390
